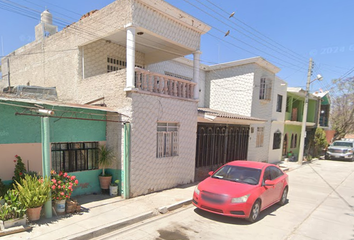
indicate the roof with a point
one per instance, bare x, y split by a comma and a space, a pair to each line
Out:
213, 115
321, 94
298, 91
55, 103
256, 60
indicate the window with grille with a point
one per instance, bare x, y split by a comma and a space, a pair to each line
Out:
265, 90
167, 140
74, 156
114, 64
260, 137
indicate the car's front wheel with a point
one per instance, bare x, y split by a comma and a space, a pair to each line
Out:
256, 209
284, 197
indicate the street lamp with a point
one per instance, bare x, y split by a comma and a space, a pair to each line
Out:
304, 115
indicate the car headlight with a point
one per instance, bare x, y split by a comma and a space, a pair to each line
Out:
240, 199
196, 190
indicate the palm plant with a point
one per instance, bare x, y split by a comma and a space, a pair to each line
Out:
105, 158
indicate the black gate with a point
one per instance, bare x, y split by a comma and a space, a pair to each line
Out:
218, 144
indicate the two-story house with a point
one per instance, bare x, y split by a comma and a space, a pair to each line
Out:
183, 118
294, 117
103, 58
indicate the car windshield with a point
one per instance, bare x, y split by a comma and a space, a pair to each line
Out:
343, 144
238, 174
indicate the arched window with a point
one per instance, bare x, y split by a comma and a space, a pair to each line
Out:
295, 141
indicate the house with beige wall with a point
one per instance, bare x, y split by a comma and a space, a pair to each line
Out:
127, 56
102, 59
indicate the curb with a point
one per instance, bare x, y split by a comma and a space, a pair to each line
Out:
174, 206
99, 231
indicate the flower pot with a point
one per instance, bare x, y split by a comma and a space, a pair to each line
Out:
13, 223
34, 214
70, 206
60, 206
113, 190
105, 181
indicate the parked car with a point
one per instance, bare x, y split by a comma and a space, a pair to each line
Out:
242, 189
341, 150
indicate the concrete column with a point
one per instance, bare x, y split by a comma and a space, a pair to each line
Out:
130, 49
46, 159
196, 67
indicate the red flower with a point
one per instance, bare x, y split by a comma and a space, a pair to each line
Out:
16, 156
62, 193
60, 173
76, 181
67, 196
65, 174
53, 187
54, 181
73, 177
20, 173
14, 160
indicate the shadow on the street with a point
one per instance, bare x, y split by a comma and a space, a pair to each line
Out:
237, 221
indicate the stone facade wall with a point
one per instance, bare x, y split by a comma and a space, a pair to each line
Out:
230, 89
95, 57
148, 18
147, 172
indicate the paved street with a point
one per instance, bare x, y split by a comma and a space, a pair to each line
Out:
320, 206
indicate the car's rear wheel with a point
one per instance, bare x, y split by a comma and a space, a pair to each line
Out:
256, 209
284, 197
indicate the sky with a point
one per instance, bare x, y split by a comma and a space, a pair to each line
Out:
285, 33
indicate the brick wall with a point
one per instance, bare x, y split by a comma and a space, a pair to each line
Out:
230, 89
148, 173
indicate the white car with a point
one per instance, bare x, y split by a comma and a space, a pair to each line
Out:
341, 150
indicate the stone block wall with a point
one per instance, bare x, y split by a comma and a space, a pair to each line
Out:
230, 89
147, 172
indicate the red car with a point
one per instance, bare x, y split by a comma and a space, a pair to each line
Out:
242, 189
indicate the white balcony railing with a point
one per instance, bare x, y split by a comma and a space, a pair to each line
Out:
158, 83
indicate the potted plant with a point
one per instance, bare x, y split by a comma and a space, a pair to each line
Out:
12, 211
113, 188
62, 186
105, 158
33, 193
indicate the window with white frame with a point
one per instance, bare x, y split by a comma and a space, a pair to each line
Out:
265, 90
260, 137
167, 139
114, 64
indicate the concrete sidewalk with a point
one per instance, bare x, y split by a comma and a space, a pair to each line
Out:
102, 213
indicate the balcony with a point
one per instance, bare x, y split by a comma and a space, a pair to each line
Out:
155, 83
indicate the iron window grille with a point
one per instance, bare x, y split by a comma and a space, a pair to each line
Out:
74, 156
167, 140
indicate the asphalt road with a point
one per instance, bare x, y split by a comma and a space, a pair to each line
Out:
320, 206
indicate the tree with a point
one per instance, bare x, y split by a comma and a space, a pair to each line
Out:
342, 112
320, 141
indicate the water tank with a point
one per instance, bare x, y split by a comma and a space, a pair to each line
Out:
46, 17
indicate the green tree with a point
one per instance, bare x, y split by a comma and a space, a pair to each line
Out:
320, 141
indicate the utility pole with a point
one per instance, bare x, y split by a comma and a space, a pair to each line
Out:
304, 115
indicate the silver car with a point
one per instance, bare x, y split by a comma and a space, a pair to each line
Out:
341, 150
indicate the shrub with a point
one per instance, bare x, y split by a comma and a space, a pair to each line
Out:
33, 192
62, 185
20, 169
13, 207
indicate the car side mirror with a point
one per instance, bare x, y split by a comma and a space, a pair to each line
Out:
269, 183
211, 173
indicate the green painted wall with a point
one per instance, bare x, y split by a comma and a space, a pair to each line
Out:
289, 130
311, 113
89, 183
27, 129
